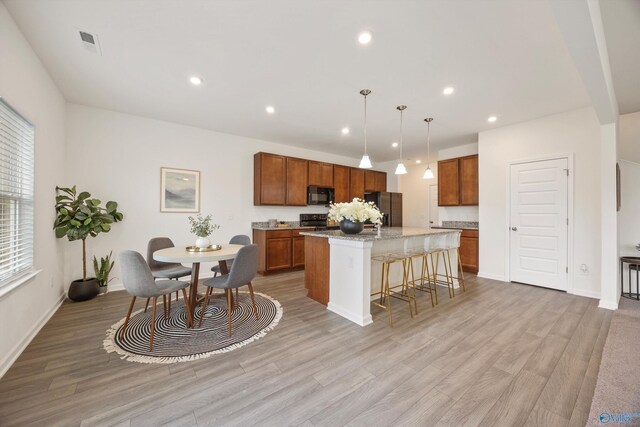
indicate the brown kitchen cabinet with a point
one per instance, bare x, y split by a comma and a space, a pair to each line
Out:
375, 181
297, 258
321, 174
356, 183
469, 180
448, 183
296, 187
458, 181
341, 183
269, 183
279, 250
469, 250
283, 181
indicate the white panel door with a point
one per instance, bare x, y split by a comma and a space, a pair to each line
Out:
539, 218
433, 205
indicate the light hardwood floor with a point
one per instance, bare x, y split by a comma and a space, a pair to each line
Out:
499, 354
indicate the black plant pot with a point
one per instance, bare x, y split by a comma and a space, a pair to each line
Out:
81, 290
350, 227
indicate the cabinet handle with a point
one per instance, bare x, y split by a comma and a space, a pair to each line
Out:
514, 228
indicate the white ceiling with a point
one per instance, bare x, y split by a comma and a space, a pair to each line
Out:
621, 22
505, 58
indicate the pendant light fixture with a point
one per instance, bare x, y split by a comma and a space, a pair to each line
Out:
365, 163
401, 169
428, 174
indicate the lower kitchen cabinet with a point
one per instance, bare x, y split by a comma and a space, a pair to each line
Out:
279, 250
469, 250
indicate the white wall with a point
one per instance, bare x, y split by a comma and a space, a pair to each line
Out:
629, 137
25, 84
458, 213
415, 194
576, 132
629, 147
118, 157
629, 214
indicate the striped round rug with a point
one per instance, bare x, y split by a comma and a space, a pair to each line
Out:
174, 342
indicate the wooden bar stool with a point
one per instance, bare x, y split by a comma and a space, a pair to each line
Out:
387, 290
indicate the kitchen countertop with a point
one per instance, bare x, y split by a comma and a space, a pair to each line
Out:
385, 233
455, 228
267, 228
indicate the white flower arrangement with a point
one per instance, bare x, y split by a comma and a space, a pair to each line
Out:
357, 211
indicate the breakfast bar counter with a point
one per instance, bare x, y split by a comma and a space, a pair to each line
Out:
340, 272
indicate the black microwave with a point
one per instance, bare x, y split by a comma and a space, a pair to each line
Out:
319, 195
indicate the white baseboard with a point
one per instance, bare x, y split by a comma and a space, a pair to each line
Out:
585, 293
355, 318
491, 276
22, 345
609, 305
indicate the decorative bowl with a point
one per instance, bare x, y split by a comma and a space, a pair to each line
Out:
209, 248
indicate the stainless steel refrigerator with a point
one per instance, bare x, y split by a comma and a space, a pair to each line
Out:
390, 204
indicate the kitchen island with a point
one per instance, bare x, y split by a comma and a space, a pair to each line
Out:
340, 272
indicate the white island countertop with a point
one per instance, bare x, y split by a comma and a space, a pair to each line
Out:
386, 233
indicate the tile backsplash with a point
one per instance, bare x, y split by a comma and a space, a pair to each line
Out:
458, 213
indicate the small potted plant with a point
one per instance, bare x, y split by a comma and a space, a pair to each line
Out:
202, 227
352, 215
102, 269
78, 216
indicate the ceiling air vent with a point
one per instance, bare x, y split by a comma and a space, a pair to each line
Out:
90, 42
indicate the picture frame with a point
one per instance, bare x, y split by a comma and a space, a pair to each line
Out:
179, 190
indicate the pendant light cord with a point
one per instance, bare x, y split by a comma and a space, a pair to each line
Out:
428, 144
365, 125
401, 135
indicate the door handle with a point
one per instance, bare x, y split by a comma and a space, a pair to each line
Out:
514, 228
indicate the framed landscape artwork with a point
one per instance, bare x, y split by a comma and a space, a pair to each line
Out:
179, 190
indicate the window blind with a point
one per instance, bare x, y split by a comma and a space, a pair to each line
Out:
16, 193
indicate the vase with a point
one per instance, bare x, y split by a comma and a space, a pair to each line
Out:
82, 290
203, 242
351, 227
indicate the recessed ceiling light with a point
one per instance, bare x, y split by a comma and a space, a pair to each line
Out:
365, 37
345, 131
195, 80
448, 90
394, 145
418, 161
492, 119
269, 109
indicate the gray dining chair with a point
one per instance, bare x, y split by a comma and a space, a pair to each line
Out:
243, 270
164, 270
139, 282
239, 239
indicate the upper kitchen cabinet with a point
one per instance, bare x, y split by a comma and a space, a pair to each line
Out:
469, 180
448, 183
269, 179
356, 185
321, 174
375, 181
458, 181
296, 188
341, 183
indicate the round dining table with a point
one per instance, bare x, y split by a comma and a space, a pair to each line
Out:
182, 255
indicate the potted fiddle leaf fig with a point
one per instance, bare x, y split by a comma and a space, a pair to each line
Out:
102, 269
79, 216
